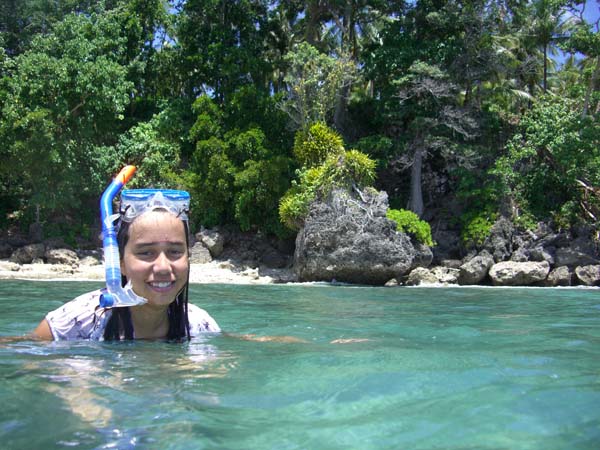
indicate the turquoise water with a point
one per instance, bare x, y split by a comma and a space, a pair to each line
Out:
429, 369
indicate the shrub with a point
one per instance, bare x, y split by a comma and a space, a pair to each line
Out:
293, 206
409, 222
344, 170
351, 167
313, 146
476, 228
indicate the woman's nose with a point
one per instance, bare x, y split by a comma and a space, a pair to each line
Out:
161, 263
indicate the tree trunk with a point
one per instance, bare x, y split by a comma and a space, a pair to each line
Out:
416, 192
591, 86
545, 67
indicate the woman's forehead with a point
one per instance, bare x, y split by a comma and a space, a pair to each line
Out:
157, 223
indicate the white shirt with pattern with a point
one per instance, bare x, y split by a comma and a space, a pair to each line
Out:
83, 318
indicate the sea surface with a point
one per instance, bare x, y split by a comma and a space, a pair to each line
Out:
376, 368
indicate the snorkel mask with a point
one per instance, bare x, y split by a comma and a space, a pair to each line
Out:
134, 202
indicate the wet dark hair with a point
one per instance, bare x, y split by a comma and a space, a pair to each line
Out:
120, 325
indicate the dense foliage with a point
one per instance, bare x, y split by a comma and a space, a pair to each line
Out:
492, 107
408, 222
326, 165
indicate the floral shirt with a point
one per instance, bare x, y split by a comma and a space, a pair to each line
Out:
83, 318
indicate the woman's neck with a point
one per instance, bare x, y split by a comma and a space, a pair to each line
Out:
150, 322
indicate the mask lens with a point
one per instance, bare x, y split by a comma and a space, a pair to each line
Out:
135, 202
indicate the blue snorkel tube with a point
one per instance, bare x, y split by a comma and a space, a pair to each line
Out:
115, 294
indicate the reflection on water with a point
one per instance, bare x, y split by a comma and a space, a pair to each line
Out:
376, 368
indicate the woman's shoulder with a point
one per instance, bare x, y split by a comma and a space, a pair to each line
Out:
84, 302
200, 321
78, 318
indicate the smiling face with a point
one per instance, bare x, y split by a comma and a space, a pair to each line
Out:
155, 258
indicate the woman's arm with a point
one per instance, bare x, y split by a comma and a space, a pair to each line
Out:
43, 332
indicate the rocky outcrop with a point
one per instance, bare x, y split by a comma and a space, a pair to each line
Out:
512, 273
28, 254
213, 240
500, 241
559, 276
588, 275
475, 270
348, 238
199, 254
61, 256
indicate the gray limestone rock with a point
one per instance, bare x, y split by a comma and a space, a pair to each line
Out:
559, 276
199, 254
476, 269
62, 256
511, 273
348, 238
28, 253
588, 275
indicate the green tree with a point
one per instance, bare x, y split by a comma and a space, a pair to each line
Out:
222, 43
235, 175
314, 85
62, 97
433, 120
552, 168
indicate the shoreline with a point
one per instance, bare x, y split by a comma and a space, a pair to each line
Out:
216, 272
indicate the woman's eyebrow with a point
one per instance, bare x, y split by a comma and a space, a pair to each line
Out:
151, 244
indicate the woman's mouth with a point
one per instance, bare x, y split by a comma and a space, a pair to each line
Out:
161, 286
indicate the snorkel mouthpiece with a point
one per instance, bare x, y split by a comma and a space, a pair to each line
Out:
115, 295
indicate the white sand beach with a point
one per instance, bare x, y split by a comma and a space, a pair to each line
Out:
213, 272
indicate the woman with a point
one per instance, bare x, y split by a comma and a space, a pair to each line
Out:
153, 240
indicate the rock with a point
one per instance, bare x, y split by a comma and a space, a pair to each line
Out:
63, 269
89, 261
420, 276
199, 254
579, 252
391, 283
9, 266
476, 269
540, 253
28, 253
349, 239
521, 254
423, 255
559, 276
588, 275
499, 242
62, 256
213, 240
445, 275
252, 273
511, 273
451, 263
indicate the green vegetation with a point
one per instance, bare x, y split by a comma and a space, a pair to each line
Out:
408, 222
251, 105
330, 167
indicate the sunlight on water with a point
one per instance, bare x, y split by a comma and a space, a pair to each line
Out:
378, 368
